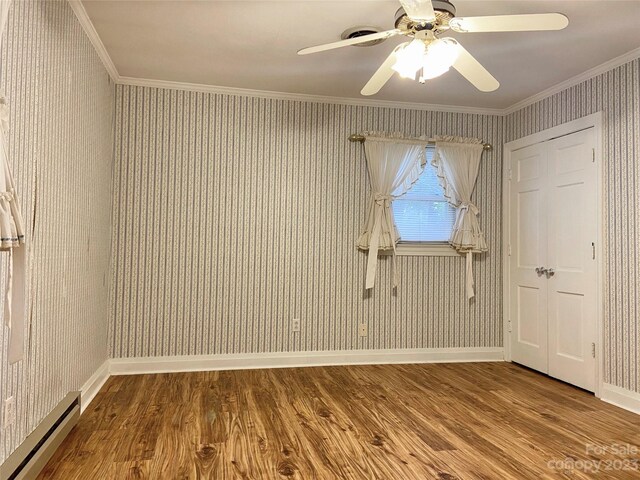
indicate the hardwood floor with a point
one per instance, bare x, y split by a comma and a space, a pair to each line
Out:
396, 422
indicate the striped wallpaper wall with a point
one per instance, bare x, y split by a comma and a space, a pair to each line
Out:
233, 215
60, 147
617, 94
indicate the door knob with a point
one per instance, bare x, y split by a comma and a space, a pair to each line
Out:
549, 272
541, 271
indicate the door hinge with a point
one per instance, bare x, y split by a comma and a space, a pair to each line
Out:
509, 174
593, 155
593, 250
509, 249
593, 350
509, 326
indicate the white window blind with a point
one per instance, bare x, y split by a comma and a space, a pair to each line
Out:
423, 214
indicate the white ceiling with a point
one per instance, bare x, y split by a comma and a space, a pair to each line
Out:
253, 44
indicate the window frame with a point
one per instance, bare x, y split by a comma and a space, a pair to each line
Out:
425, 248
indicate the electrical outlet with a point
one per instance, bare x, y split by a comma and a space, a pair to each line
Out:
295, 325
9, 412
363, 330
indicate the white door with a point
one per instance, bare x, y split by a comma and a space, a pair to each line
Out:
571, 231
553, 229
529, 344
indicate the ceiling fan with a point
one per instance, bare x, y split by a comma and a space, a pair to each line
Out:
425, 22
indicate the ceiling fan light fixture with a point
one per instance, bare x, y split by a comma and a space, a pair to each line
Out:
440, 55
425, 21
410, 59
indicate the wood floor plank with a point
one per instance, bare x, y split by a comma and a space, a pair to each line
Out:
388, 422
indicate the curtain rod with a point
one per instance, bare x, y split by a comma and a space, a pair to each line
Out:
360, 138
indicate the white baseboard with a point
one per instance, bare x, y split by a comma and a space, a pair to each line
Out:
194, 363
612, 394
621, 397
92, 386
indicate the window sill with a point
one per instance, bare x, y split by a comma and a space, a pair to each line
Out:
426, 249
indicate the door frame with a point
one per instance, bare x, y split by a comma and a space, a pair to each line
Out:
590, 121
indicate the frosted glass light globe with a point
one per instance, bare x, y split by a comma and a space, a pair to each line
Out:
438, 58
410, 59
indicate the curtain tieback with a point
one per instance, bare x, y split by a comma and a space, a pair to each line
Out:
382, 200
14, 302
7, 196
470, 207
4, 113
5, 203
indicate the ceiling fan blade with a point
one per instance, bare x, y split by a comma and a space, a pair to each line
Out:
510, 23
349, 41
383, 74
419, 10
473, 71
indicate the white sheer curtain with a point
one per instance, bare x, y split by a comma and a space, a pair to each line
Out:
11, 231
457, 161
394, 164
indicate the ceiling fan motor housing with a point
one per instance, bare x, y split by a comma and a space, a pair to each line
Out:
361, 31
443, 9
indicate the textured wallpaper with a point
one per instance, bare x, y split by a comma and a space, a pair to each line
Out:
233, 215
617, 94
60, 145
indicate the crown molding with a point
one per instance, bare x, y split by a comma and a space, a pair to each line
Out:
94, 38
573, 81
245, 92
92, 34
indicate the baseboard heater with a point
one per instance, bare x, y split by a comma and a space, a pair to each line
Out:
33, 454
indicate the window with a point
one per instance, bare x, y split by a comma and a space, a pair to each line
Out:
423, 215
